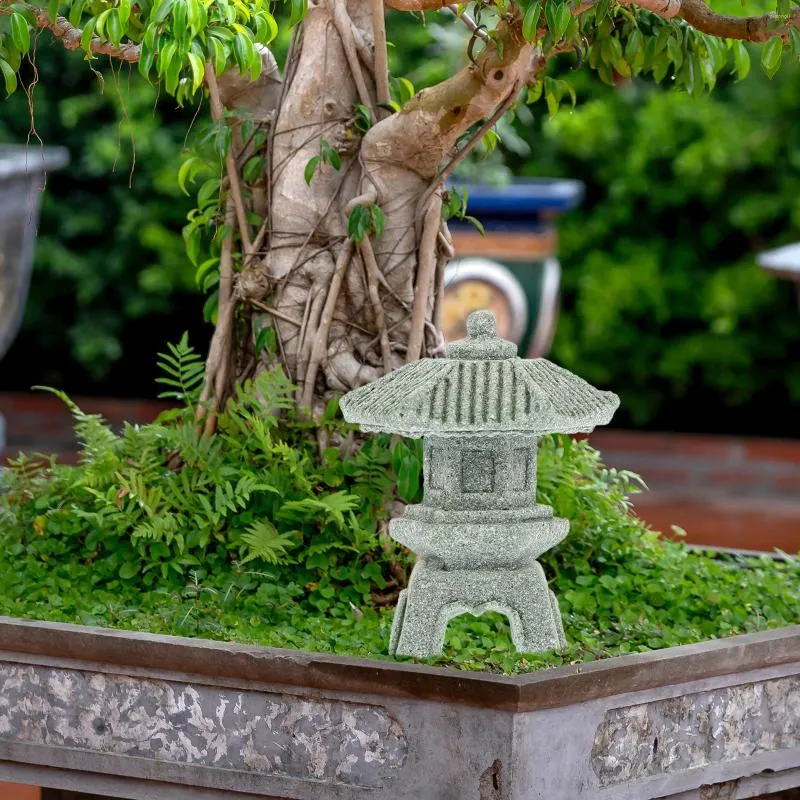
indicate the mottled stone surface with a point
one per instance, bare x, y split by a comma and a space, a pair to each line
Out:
247, 731
697, 730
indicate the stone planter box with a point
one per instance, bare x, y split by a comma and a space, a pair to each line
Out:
141, 716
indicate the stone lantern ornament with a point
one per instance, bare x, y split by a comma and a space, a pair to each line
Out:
478, 530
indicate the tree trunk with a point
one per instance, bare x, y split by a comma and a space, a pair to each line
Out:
346, 308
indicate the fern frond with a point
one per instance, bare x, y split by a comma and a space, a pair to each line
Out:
183, 371
97, 441
263, 541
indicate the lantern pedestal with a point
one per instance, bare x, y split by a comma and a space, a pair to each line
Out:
434, 596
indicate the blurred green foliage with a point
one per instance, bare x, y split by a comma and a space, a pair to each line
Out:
663, 299
110, 264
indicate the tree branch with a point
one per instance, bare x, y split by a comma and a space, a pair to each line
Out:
70, 37
469, 23
702, 18
416, 5
752, 29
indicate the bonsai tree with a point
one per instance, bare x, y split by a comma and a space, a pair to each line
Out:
321, 225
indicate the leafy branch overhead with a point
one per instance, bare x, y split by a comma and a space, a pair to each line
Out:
172, 40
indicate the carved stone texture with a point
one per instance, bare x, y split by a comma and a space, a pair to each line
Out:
478, 529
245, 731
696, 730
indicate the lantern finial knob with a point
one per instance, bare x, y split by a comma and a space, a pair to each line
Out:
481, 323
482, 341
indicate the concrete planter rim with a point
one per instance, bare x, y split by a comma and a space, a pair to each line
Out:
124, 651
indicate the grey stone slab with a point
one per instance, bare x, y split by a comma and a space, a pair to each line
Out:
178, 723
695, 730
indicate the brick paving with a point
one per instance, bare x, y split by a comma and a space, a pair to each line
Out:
723, 491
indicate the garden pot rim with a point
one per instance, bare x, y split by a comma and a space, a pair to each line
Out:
218, 662
25, 160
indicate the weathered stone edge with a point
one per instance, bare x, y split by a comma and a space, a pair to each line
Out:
112, 650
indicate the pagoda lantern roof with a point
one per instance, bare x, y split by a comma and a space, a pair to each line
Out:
482, 387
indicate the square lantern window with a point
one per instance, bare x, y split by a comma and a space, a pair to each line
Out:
518, 470
477, 471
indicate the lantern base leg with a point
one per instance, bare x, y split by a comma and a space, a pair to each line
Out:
435, 596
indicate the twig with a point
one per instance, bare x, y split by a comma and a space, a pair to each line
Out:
425, 274
381, 57
273, 311
70, 37
216, 372
368, 254
218, 114
321, 337
343, 25
446, 252
470, 23
416, 5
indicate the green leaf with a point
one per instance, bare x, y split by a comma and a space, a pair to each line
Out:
408, 90
534, 93
128, 570
329, 155
530, 22
675, 52
243, 52
124, 11
207, 268
146, 58
86, 36
198, 71
52, 10
771, 56
271, 28
20, 34
100, 23
180, 18
311, 168
363, 118
114, 28
299, 8
378, 219
634, 50
76, 12
558, 17
165, 57
358, 224
218, 55
741, 60
476, 223
9, 76
794, 38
